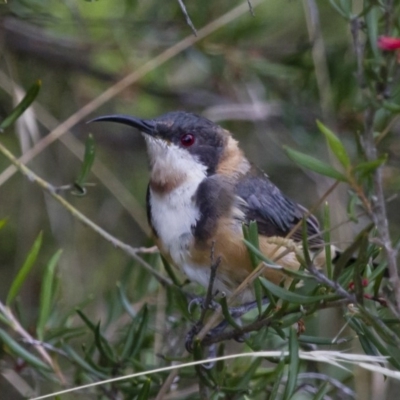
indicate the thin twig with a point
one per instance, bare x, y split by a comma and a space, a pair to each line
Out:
251, 9
378, 212
81, 217
319, 58
6, 311
124, 83
102, 173
188, 20
260, 323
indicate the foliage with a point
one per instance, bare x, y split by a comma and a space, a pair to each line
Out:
89, 313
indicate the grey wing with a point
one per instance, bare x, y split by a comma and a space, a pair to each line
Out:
275, 214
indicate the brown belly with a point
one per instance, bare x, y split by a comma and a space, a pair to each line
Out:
227, 243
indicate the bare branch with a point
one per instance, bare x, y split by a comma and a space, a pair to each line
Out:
81, 217
188, 20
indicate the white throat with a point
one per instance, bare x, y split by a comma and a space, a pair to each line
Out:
174, 211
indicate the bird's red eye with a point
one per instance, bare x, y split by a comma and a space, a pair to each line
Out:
187, 139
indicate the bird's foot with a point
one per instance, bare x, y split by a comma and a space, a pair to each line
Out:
194, 330
237, 312
200, 301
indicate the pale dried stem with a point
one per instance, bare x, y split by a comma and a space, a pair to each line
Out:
132, 252
124, 83
104, 175
17, 327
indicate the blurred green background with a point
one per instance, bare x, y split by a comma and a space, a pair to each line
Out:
258, 76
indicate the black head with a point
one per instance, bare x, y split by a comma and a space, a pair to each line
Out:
197, 135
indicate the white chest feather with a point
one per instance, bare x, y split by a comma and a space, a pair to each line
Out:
174, 212
173, 216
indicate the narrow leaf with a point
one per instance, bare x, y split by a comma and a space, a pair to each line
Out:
372, 20
327, 240
24, 271
88, 160
322, 391
46, 294
335, 145
82, 363
313, 164
28, 99
144, 391
294, 297
140, 333
250, 233
279, 370
370, 166
124, 301
3, 222
294, 363
339, 9
170, 272
261, 256
19, 351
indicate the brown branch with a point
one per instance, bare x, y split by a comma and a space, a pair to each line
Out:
378, 212
261, 323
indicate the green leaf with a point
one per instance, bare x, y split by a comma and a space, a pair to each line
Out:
88, 160
19, 351
24, 271
226, 313
294, 363
294, 297
393, 107
143, 317
250, 234
335, 145
28, 99
369, 166
124, 301
290, 319
261, 256
82, 363
344, 12
279, 370
46, 294
313, 164
100, 341
170, 272
3, 222
245, 379
144, 391
102, 345
372, 20
327, 240
323, 340
322, 391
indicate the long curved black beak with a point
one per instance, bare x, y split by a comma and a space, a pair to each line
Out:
146, 126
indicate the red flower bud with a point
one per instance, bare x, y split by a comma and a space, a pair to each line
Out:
388, 43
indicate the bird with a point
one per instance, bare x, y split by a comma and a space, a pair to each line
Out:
202, 190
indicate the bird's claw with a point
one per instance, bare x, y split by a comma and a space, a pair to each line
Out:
190, 336
199, 301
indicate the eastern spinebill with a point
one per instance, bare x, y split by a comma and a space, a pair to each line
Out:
202, 190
